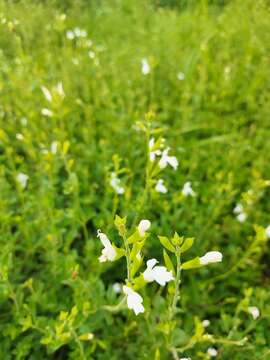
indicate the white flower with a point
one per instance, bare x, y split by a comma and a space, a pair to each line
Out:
206, 323
160, 187
22, 179
187, 189
212, 352
241, 217
153, 153
143, 226
157, 273
145, 67
46, 93
109, 252
166, 159
54, 147
116, 184
24, 121
254, 311
59, 89
117, 288
267, 231
238, 209
91, 54
46, 112
185, 358
211, 257
134, 300
181, 76
19, 137
70, 35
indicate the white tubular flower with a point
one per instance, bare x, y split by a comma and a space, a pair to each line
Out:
254, 311
22, 179
160, 187
54, 147
166, 159
115, 183
181, 76
187, 189
143, 226
46, 112
212, 352
109, 252
211, 257
46, 93
206, 323
70, 35
145, 67
157, 273
267, 232
153, 153
117, 288
241, 217
134, 300
238, 209
59, 89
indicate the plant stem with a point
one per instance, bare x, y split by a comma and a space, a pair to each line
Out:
177, 283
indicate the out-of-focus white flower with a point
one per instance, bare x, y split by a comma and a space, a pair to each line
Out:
186, 358
267, 231
134, 300
22, 179
212, 352
24, 121
54, 147
153, 153
115, 183
211, 257
143, 226
91, 54
187, 189
79, 32
166, 159
46, 93
254, 311
241, 217
109, 252
145, 67
46, 112
238, 209
157, 273
181, 76
117, 288
59, 89
70, 35
205, 323
19, 137
160, 187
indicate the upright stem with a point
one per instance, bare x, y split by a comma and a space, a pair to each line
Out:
177, 283
127, 250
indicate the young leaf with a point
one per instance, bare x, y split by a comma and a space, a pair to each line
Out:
168, 262
166, 243
187, 244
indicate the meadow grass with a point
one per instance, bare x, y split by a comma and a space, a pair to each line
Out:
207, 93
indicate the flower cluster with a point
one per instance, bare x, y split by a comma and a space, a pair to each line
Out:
240, 213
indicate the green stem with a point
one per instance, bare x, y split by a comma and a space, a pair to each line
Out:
177, 283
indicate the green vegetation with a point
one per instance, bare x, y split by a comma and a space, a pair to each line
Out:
84, 85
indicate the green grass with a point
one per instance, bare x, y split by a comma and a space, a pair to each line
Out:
216, 121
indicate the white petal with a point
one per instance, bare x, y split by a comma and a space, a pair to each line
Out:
143, 226
254, 311
160, 187
212, 352
46, 93
162, 275
211, 257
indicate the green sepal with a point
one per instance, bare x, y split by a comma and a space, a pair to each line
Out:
166, 243
188, 242
191, 264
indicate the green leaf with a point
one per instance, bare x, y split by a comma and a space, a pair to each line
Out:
188, 242
168, 262
166, 243
135, 237
120, 224
191, 264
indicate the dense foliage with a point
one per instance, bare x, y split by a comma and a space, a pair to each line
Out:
79, 84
